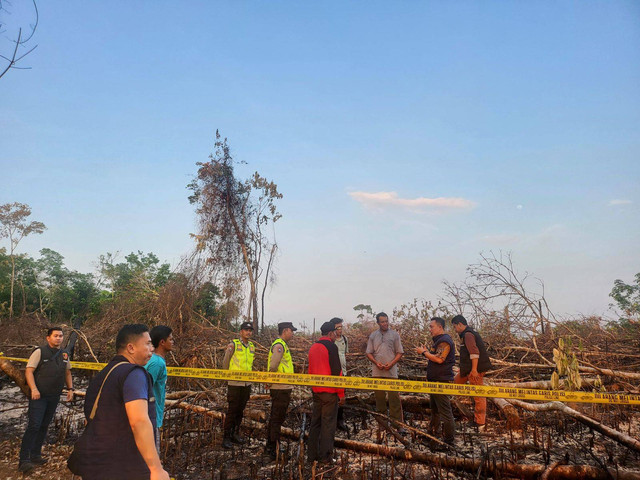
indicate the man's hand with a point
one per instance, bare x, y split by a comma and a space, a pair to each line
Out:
69, 394
380, 366
474, 376
35, 394
420, 350
159, 474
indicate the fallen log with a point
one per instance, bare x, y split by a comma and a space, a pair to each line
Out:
619, 437
473, 465
16, 375
539, 384
599, 371
256, 415
524, 471
509, 411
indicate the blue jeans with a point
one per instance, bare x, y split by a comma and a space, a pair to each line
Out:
40, 413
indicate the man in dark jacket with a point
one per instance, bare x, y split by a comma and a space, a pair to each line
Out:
342, 343
48, 369
474, 363
324, 360
120, 408
441, 357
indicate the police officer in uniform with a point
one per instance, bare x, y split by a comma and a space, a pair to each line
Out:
48, 369
279, 361
237, 357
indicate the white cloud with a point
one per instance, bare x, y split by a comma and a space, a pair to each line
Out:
619, 202
391, 199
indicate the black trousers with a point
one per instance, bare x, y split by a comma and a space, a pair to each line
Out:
40, 414
279, 403
441, 412
237, 398
323, 426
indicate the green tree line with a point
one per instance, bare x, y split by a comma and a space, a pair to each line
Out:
46, 287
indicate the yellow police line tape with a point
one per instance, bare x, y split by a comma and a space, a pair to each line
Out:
387, 384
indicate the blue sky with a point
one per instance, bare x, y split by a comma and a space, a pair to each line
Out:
522, 118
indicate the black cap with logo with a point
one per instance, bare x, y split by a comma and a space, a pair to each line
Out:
283, 325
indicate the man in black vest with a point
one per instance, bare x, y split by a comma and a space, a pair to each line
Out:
474, 362
118, 441
442, 358
48, 369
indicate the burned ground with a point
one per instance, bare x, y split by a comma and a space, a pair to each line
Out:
518, 443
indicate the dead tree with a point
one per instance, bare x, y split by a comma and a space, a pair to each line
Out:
17, 41
494, 286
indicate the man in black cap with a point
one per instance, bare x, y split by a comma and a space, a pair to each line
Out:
324, 360
237, 357
279, 361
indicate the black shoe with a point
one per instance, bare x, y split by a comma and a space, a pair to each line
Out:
478, 427
439, 446
26, 467
226, 443
235, 438
39, 460
403, 431
269, 455
342, 426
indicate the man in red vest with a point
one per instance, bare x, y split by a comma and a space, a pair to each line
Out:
324, 360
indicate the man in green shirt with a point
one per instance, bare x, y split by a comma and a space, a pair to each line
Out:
162, 339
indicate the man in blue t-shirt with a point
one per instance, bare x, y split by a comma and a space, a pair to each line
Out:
162, 339
118, 441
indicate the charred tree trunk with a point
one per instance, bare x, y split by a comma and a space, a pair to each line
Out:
16, 375
509, 411
626, 440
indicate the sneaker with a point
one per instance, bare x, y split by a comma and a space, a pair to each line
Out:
26, 467
235, 438
403, 431
39, 460
226, 443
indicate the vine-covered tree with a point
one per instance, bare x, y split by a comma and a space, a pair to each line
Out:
236, 218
